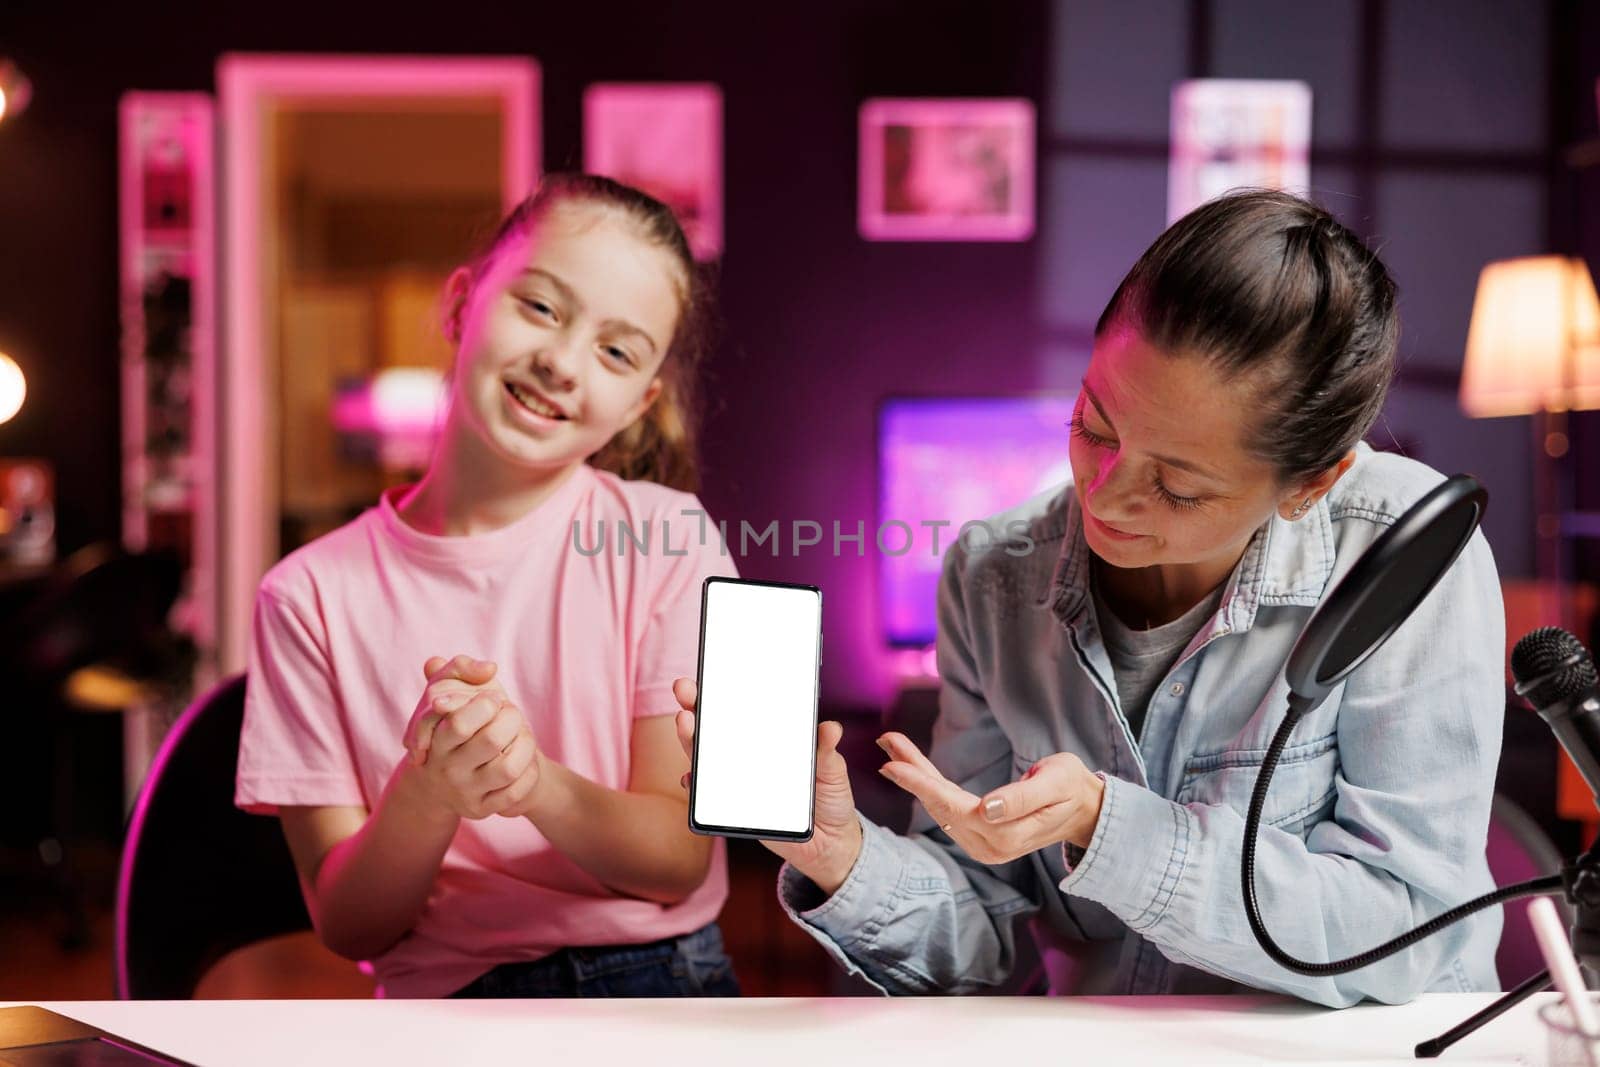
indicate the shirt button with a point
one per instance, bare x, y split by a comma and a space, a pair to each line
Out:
1177, 689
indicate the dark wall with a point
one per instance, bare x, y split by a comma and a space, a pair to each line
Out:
819, 325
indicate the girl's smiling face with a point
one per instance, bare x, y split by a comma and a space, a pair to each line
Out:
1160, 461
562, 335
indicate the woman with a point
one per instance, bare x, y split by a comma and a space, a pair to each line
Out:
1109, 695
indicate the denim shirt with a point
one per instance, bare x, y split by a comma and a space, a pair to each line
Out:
1376, 819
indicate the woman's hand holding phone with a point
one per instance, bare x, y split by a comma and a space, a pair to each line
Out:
835, 842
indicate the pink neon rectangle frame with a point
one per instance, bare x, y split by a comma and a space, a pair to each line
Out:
1232, 133
666, 140
246, 84
195, 113
1008, 124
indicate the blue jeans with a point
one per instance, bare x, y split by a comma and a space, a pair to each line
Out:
693, 965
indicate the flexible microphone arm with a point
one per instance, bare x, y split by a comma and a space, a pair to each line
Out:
1385, 584
1536, 887
1557, 676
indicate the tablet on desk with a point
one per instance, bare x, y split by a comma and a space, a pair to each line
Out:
38, 1037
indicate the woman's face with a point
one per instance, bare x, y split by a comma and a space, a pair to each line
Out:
562, 335
1159, 458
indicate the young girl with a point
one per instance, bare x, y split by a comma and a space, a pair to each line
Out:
1107, 699
532, 839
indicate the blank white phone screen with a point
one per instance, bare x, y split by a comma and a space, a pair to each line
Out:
756, 719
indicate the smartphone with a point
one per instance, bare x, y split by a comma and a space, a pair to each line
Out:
755, 739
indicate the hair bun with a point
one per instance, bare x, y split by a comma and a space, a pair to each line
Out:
1270, 284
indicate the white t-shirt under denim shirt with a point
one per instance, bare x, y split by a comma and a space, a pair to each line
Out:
1376, 819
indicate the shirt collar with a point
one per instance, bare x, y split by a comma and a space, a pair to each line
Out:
1285, 563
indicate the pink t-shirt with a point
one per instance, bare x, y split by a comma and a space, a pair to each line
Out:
586, 642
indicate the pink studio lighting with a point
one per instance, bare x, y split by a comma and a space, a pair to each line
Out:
396, 414
666, 140
167, 226
946, 170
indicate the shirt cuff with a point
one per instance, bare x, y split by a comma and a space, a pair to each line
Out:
656, 699
1136, 857
857, 909
263, 794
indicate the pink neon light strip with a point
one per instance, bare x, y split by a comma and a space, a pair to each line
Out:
248, 87
939, 124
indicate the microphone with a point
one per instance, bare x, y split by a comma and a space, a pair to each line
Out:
1556, 675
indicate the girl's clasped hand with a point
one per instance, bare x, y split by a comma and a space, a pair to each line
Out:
473, 746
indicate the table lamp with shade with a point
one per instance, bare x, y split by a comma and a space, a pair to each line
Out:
1533, 348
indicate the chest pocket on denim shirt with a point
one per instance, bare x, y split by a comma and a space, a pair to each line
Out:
1302, 789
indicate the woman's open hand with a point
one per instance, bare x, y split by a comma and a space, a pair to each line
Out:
1057, 800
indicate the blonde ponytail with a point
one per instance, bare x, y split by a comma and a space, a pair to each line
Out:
658, 447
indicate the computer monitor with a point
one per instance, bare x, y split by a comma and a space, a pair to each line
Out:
953, 460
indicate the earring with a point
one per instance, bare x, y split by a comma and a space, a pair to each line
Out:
1300, 510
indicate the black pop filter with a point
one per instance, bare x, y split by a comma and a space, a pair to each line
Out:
1384, 587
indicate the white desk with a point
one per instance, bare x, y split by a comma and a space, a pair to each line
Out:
919, 1032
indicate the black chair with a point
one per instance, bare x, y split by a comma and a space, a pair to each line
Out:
199, 877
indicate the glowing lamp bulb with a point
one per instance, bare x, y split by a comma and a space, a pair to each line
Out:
407, 398
14, 89
13, 388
